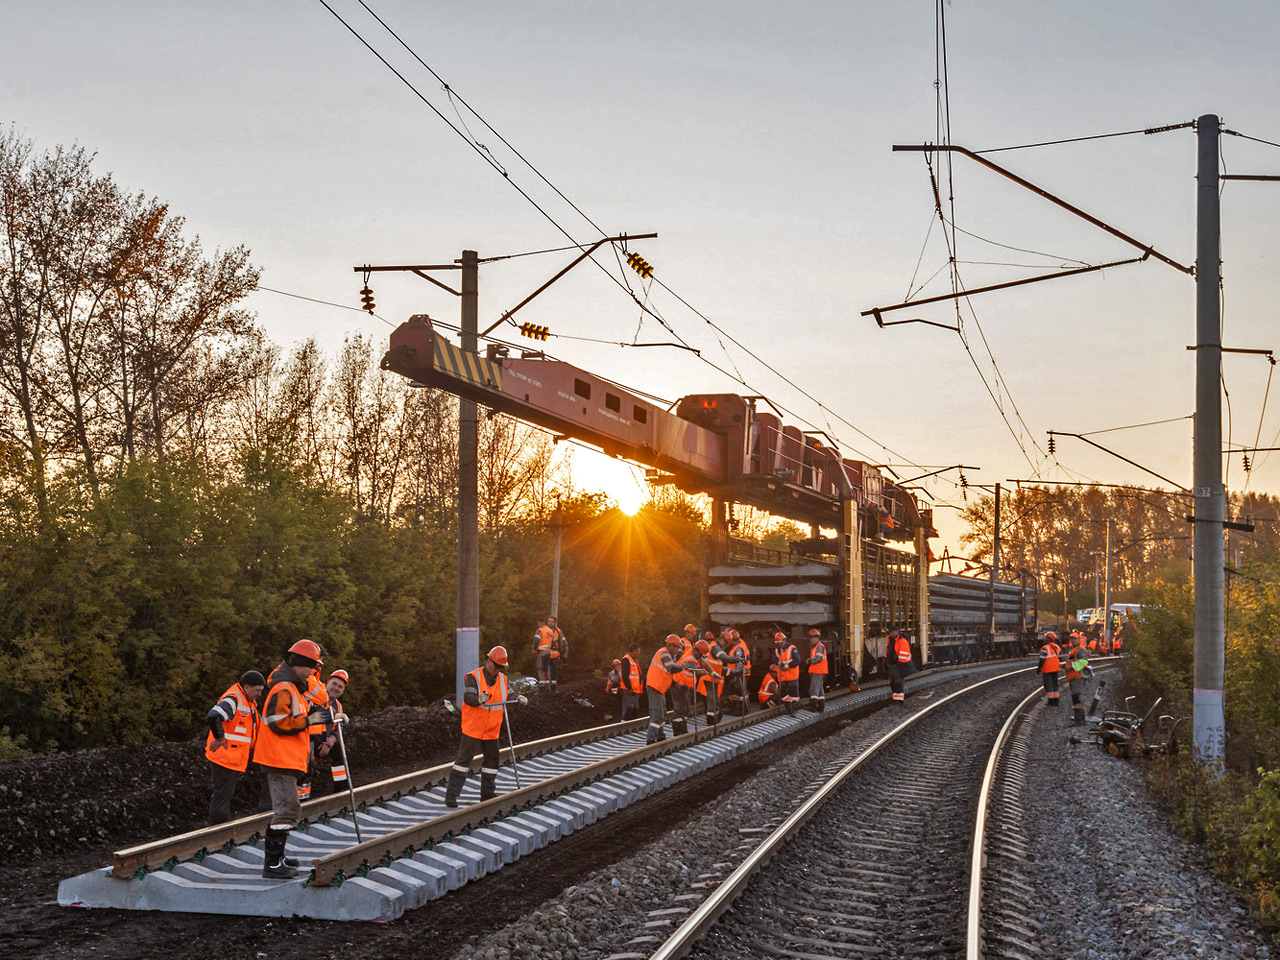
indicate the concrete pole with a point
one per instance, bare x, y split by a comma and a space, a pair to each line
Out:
995, 562
468, 634
558, 523
922, 593
1106, 597
1210, 501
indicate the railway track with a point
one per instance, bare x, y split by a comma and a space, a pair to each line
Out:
886, 868
415, 850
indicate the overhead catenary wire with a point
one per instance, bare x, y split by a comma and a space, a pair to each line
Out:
484, 152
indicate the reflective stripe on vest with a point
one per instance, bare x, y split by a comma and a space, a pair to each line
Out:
485, 721
687, 661
768, 688
339, 774
1050, 651
631, 676
900, 650
818, 650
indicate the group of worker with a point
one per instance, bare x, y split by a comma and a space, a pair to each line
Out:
717, 669
1072, 661
297, 735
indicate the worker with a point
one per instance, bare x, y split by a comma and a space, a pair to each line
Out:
543, 642
769, 688
328, 767
817, 672
684, 698
898, 664
739, 670
632, 683
787, 658
559, 651
1076, 665
484, 704
233, 728
657, 682
1050, 664
283, 747
613, 682
711, 681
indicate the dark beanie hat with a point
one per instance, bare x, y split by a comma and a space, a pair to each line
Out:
252, 678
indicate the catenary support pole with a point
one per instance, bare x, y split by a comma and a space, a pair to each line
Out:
1210, 495
558, 523
995, 564
1106, 596
468, 636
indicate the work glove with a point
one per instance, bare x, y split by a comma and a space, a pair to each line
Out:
522, 700
483, 697
218, 744
341, 718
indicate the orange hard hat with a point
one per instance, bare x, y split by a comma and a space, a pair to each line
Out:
709, 635
341, 675
673, 640
773, 668
690, 628
1050, 635
499, 656
703, 647
815, 633
779, 636
617, 663
309, 649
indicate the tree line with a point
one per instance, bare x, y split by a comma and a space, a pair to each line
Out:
181, 499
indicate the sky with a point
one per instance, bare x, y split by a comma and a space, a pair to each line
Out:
755, 138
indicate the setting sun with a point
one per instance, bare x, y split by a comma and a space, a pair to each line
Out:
622, 483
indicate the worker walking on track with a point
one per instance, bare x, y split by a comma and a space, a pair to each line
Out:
233, 728
1050, 664
787, 658
484, 703
898, 664
1077, 663
632, 683
817, 672
657, 682
283, 747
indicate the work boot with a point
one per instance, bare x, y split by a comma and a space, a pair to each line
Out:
679, 727
273, 865
488, 785
456, 779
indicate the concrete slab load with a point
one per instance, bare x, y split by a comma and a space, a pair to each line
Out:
230, 882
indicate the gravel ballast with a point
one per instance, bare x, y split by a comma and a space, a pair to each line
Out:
1115, 881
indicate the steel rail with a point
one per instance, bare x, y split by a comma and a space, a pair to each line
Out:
706, 914
334, 866
973, 941
148, 856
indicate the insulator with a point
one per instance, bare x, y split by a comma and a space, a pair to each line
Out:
639, 265
1246, 463
366, 300
1051, 445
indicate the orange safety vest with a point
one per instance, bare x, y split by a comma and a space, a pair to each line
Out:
740, 648
687, 659
1077, 652
555, 643
485, 721
318, 695
899, 650
545, 639
658, 677
631, 674
339, 768
282, 739
768, 688
238, 734
818, 649
716, 674
1052, 652
790, 655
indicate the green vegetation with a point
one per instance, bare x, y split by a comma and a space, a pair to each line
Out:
181, 500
